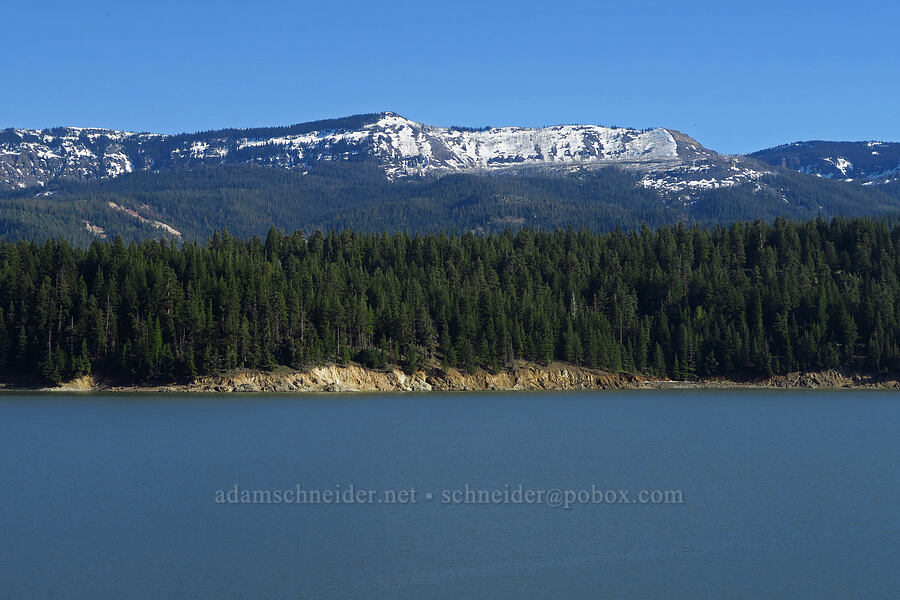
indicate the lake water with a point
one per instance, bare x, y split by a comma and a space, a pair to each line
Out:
783, 495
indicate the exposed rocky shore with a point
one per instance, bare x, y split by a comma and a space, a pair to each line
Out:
524, 376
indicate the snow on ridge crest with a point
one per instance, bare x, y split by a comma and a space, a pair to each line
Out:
406, 147
402, 147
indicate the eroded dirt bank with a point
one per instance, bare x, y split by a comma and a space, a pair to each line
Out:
556, 376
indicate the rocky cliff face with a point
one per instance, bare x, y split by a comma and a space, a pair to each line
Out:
355, 379
556, 376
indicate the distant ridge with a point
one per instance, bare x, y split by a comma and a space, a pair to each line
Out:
402, 148
866, 162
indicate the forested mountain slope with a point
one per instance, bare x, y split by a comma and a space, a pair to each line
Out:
187, 204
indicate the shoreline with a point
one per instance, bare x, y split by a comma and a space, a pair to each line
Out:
519, 377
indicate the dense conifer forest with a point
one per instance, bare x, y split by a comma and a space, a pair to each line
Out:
752, 298
248, 199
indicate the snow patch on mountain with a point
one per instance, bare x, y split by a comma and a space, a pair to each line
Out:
840, 163
725, 172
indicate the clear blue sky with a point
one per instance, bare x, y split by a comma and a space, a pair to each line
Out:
737, 76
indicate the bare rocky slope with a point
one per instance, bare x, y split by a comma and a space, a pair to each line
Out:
523, 376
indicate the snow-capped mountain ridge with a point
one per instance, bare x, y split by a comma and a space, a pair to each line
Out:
871, 162
402, 147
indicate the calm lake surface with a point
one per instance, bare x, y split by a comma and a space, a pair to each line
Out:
785, 495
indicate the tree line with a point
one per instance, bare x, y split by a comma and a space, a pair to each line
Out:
751, 298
